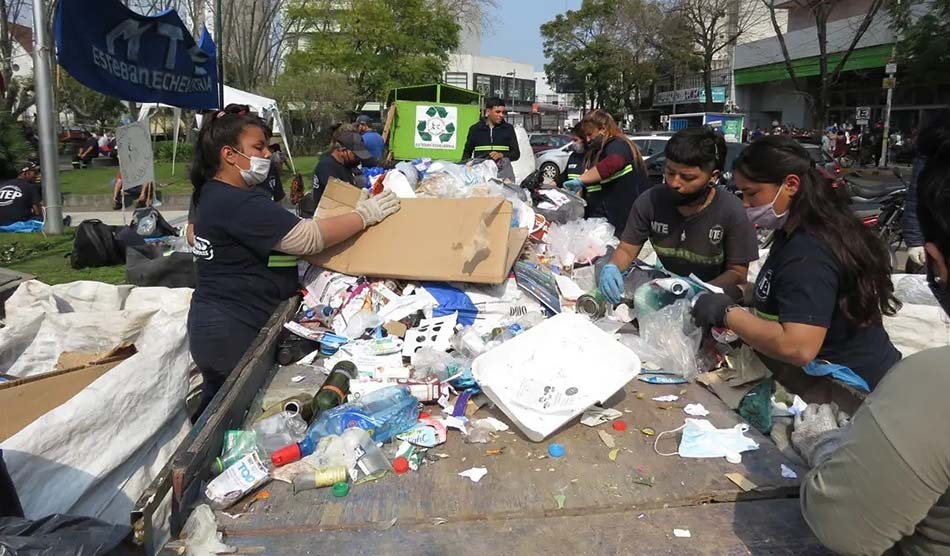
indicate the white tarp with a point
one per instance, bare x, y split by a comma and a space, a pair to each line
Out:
95, 454
921, 323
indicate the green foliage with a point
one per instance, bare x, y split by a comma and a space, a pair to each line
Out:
375, 44
924, 46
13, 148
45, 257
90, 107
163, 151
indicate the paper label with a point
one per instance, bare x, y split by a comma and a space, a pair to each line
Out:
237, 480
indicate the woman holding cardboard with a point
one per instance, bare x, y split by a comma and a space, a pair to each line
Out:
245, 245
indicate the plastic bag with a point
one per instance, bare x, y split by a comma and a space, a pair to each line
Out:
410, 172
580, 241
277, 431
559, 206
201, 535
63, 535
913, 288
669, 339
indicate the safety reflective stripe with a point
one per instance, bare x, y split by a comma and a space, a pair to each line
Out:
626, 170
573, 176
281, 261
687, 255
766, 316
499, 148
593, 187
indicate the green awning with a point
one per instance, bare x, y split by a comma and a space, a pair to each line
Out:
861, 58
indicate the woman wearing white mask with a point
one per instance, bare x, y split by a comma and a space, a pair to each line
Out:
826, 284
245, 245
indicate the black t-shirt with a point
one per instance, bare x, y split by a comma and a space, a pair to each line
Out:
327, 167
17, 197
799, 283
239, 273
94, 143
614, 196
702, 243
272, 186
574, 167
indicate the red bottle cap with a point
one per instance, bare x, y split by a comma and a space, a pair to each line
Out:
287, 454
424, 415
619, 426
400, 465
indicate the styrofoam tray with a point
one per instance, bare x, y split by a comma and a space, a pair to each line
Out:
550, 374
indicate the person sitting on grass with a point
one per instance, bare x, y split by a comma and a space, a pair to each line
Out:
21, 198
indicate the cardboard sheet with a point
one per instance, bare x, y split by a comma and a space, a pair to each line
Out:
428, 239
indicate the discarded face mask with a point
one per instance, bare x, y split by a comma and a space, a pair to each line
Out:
702, 440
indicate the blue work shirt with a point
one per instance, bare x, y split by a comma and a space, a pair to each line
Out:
374, 144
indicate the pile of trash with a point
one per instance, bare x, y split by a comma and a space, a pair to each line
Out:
377, 372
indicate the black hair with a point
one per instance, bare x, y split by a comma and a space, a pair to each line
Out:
865, 290
492, 102
697, 146
219, 128
933, 183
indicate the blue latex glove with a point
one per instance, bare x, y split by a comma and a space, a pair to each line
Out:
611, 283
573, 185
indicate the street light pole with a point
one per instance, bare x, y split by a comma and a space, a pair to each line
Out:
887, 110
219, 40
49, 159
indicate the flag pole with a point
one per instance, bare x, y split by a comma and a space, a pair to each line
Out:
49, 159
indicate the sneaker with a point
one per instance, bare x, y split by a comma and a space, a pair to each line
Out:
116, 204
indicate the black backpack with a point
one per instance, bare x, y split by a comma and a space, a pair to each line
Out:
94, 246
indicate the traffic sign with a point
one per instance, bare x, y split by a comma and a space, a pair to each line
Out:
862, 122
664, 119
889, 83
862, 113
890, 68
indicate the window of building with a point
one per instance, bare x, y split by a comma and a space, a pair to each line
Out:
528, 90
483, 83
458, 79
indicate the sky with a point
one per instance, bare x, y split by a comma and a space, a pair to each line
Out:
516, 31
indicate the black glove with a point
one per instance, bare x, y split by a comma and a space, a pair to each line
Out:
735, 292
710, 309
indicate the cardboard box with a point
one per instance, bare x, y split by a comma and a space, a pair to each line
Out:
428, 239
26, 400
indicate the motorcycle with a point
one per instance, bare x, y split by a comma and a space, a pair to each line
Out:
880, 206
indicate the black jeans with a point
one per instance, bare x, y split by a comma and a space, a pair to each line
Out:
217, 342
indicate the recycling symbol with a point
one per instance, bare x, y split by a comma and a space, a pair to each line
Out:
436, 125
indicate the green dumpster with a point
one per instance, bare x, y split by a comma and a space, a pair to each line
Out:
432, 121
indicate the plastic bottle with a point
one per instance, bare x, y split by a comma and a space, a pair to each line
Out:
279, 430
360, 322
237, 444
370, 460
530, 320
291, 348
320, 478
335, 388
468, 341
383, 413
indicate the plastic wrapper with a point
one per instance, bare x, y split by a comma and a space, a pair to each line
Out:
580, 241
669, 339
409, 170
913, 288
62, 535
430, 363
559, 206
201, 535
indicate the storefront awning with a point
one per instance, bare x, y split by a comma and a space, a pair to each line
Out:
862, 58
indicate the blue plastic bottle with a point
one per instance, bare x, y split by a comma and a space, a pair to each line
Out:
383, 414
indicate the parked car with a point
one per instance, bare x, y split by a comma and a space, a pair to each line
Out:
546, 141
826, 166
552, 162
656, 166
650, 145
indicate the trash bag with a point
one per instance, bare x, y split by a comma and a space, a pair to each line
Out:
670, 339
9, 501
148, 222
147, 265
580, 241
64, 535
95, 246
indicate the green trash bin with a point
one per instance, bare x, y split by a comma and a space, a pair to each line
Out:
432, 121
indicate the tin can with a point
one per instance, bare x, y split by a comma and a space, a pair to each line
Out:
592, 305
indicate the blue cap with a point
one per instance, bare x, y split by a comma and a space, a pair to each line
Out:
555, 450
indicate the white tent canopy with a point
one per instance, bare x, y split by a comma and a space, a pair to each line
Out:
265, 107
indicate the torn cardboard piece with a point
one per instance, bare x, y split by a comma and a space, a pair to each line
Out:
26, 400
428, 239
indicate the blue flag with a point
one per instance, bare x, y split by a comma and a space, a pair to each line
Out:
115, 51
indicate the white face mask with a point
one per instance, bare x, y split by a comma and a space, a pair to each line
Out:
702, 440
260, 168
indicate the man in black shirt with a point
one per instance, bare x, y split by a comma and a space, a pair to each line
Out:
89, 151
21, 198
342, 162
694, 227
492, 137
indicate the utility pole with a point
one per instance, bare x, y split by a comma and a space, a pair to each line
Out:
49, 158
219, 40
891, 70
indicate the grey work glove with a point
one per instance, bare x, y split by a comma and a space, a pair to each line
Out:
374, 210
817, 433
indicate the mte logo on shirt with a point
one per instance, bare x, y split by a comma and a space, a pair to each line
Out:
715, 234
8, 194
202, 249
660, 227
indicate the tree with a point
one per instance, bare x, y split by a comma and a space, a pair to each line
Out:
711, 27
18, 96
821, 12
316, 98
13, 147
924, 46
88, 106
607, 48
376, 44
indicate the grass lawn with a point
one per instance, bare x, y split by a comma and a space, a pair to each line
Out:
45, 257
98, 181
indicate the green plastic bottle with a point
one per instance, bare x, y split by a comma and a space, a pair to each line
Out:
335, 388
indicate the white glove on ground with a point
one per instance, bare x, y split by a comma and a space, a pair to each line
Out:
374, 210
